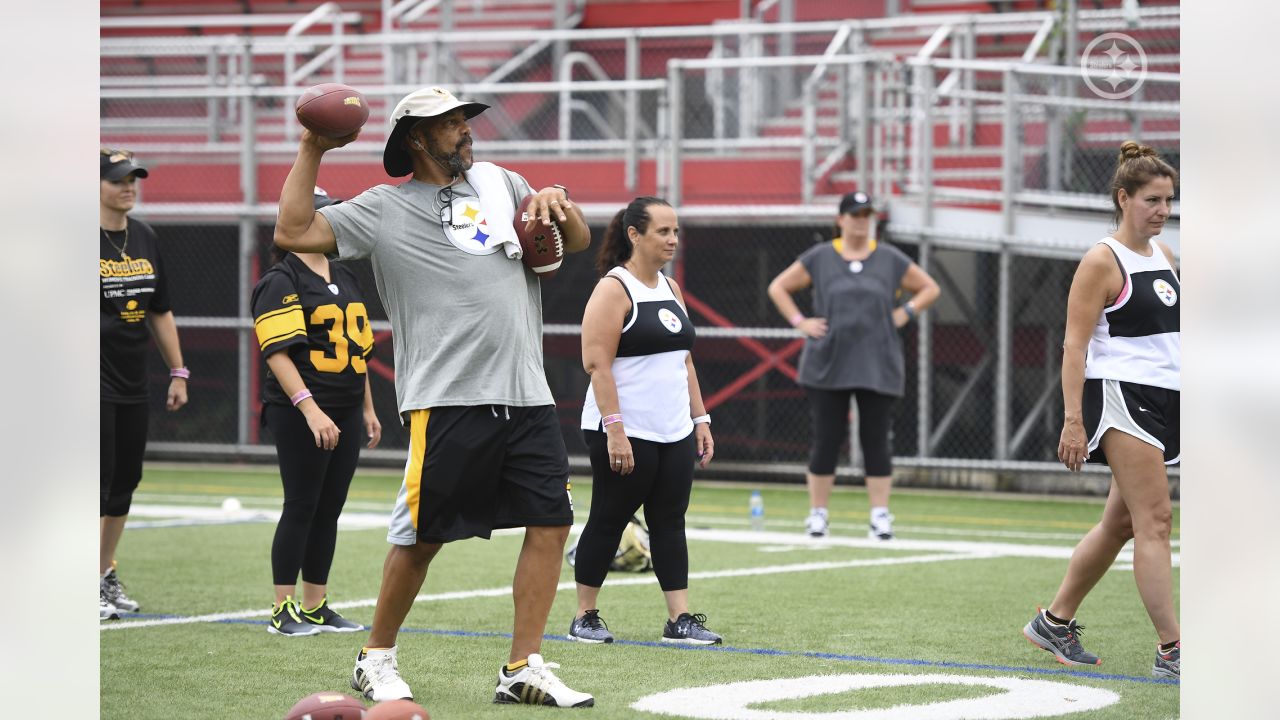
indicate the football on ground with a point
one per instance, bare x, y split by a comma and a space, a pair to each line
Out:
543, 247
397, 710
332, 110
326, 706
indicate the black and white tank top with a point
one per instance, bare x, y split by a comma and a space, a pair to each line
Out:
649, 368
1137, 339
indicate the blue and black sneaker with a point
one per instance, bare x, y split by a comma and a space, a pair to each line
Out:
590, 628
1061, 640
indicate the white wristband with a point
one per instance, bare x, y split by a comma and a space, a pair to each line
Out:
703, 419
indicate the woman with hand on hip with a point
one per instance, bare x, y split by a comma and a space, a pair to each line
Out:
1121, 378
852, 347
643, 418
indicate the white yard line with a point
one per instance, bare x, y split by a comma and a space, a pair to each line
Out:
934, 551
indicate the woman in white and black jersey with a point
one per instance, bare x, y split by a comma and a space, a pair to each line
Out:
1121, 369
643, 418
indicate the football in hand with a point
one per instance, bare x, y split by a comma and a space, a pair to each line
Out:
332, 109
543, 247
326, 706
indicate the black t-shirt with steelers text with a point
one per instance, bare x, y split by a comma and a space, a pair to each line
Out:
324, 326
133, 285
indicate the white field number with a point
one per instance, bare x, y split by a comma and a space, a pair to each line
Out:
1011, 699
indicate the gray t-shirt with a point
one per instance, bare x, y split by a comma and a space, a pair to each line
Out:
862, 348
466, 319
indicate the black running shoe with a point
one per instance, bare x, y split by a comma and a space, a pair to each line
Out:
285, 620
327, 620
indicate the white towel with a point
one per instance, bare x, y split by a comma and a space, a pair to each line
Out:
490, 184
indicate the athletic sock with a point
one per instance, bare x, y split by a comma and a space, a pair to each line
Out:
879, 512
1055, 619
1169, 646
819, 510
513, 667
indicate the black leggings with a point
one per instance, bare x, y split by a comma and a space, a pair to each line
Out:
661, 481
829, 415
122, 440
315, 489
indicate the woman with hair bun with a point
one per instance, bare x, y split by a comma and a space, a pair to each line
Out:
643, 419
1121, 364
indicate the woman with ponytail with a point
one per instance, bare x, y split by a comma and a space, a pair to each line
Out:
643, 418
1121, 364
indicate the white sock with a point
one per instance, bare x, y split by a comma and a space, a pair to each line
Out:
879, 512
820, 511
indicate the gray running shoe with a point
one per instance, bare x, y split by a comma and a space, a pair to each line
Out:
114, 590
690, 630
590, 628
1168, 664
1063, 642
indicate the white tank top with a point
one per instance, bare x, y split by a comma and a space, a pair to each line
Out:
1138, 339
649, 369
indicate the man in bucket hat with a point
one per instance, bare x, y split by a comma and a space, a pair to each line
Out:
467, 320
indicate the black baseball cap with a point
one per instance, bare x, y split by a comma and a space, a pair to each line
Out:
855, 202
118, 164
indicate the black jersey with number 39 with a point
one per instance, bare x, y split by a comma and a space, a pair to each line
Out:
324, 327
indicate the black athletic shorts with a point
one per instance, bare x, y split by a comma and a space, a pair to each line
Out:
1146, 412
476, 469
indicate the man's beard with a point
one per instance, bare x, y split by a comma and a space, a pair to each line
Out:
453, 162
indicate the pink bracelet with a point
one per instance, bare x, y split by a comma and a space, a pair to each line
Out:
179, 372
299, 396
608, 420
796, 318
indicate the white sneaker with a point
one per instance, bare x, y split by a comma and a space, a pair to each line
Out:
881, 526
816, 524
106, 611
377, 676
535, 684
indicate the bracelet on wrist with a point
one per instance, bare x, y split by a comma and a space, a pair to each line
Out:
299, 396
703, 419
180, 372
608, 420
796, 318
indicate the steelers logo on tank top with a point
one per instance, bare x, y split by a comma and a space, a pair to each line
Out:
1165, 292
669, 320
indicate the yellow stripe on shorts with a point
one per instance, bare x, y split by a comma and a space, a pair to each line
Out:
417, 456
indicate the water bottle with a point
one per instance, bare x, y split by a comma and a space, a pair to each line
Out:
757, 511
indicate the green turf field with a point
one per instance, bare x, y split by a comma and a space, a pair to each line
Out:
921, 628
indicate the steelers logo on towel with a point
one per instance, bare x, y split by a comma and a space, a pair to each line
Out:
469, 231
1165, 292
669, 319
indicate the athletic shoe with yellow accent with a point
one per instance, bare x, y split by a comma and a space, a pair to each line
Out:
286, 621
114, 590
377, 676
326, 619
535, 684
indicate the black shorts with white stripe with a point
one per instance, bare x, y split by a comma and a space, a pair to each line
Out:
1146, 412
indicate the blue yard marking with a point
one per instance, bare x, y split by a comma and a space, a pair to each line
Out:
866, 659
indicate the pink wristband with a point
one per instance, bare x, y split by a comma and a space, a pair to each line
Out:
179, 372
608, 420
796, 318
299, 396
